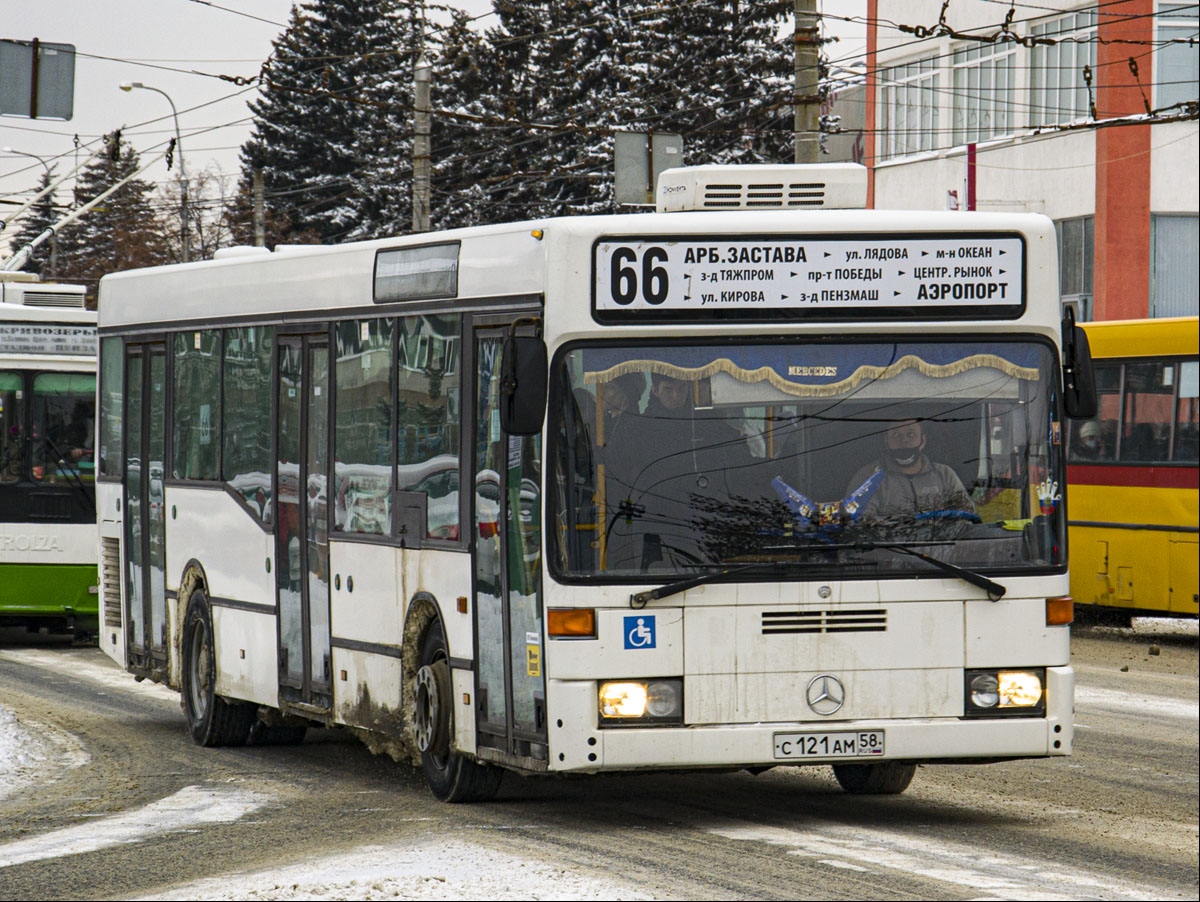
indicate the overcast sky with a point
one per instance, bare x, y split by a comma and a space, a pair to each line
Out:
178, 47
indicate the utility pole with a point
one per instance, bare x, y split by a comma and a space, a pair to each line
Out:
260, 225
421, 112
807, 97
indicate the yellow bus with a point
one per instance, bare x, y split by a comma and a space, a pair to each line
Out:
1133, 474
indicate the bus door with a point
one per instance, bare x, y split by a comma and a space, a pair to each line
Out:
511, 690
145, 521
302, 528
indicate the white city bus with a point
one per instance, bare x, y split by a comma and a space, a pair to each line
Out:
389, 486
47, 492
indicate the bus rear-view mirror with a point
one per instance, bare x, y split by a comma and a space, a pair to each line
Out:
1079, 381
523, 385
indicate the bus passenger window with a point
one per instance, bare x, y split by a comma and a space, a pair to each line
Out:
248, 392
427, 418
363, 431
1148, 403
1187, 414
197, 410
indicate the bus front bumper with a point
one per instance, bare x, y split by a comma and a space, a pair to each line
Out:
581, 746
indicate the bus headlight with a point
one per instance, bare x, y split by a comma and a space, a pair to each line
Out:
634, 702
999, 693
985, 691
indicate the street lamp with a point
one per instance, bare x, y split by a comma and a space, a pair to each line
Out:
183, 189
53, 235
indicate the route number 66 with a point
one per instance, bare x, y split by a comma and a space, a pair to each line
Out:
628, 280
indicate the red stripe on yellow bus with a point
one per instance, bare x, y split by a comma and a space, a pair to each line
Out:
1144, 477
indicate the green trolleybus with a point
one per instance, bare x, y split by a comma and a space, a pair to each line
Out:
48, 539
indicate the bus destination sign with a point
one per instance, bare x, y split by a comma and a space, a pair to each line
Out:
975, 275
48, 339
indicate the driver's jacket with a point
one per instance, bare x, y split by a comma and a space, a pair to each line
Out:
935, 487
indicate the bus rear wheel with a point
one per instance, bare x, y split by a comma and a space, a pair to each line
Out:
885, 778
450, 776
212, 720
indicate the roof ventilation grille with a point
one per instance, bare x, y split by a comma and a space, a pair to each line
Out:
837, 186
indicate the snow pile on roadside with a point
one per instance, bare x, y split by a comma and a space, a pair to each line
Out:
20, 752
24, 752
450, 869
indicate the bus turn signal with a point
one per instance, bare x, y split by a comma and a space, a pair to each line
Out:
1060, 611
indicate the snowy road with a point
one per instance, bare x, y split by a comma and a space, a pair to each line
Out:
102, 795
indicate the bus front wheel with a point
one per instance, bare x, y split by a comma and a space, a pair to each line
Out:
885, 778
451, 777
211, 719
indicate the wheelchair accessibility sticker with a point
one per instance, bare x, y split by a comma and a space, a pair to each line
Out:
639, 631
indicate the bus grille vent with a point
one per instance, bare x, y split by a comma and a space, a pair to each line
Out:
764, 195
110, 580
801, 622
54, 299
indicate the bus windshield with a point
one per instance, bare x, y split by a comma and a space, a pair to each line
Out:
804, 459
64, 412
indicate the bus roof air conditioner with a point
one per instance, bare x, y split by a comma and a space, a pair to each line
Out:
829, 186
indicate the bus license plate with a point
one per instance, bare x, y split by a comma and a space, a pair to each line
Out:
849, 744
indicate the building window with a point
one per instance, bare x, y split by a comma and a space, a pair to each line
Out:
1177, 65
1076, 260
983, 84
1176, 287
910, 108
1058, 91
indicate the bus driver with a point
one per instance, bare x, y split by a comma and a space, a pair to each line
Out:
912, 483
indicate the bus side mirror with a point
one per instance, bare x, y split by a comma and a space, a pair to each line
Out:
1079, 380
523, 385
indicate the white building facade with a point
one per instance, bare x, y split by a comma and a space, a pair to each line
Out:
1086, 113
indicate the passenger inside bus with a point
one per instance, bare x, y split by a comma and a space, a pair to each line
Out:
1089, 445
81, 434
912, 484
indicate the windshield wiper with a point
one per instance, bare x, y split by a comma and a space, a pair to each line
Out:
639, 599
994, 590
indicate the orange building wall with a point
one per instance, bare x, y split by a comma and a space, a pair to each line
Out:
1121, 280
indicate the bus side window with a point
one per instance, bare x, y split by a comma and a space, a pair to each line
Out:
1187, 414
1148, 403
363, 435
197, 413
1187, 443
427, 422
247, 395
